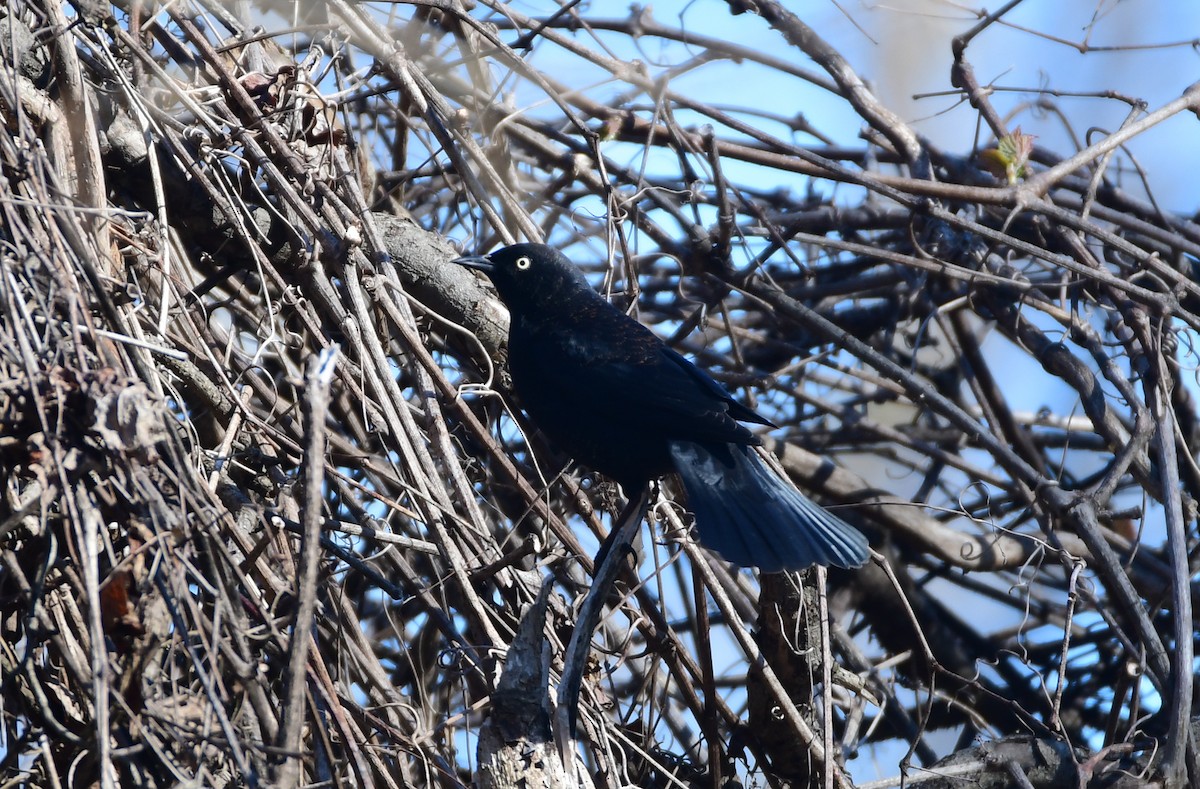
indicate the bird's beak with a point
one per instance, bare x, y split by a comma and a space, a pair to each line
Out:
477, 262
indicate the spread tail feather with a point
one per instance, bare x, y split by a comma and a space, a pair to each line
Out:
754, 518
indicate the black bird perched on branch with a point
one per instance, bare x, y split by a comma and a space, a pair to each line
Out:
606, 390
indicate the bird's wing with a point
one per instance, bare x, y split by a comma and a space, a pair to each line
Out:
626, 372
735, 409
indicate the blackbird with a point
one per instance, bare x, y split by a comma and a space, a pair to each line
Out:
607, 391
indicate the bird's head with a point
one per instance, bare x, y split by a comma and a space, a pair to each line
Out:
530, 276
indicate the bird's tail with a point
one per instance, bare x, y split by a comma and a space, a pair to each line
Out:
754, 518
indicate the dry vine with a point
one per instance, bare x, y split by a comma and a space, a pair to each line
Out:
270, 518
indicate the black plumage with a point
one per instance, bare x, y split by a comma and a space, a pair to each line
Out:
605, 390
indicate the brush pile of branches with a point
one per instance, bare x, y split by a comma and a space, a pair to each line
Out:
270, 516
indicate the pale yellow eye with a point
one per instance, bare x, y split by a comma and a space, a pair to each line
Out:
524, 263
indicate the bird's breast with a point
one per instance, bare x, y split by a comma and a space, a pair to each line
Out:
567, 389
